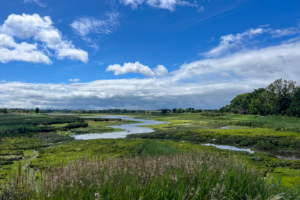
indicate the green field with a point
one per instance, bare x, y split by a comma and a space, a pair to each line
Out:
44, 150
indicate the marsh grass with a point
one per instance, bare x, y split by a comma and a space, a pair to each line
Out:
193, 175
277, 122
152, 148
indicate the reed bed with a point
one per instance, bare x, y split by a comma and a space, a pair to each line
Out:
195, 175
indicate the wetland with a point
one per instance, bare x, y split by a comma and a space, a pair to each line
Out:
47, 143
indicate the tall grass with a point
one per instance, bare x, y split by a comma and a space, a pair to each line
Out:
195, 175
152, 148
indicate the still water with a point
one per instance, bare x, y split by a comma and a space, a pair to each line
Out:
129, 129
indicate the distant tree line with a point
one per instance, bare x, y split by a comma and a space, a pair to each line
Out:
113, 111
20, 110
280, 98
180, 110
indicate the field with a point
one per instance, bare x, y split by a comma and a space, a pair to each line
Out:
42, 153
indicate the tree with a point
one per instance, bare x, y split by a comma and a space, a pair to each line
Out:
37, 110
174, 110
281, 92
164, 111
180, 110
3, 110
188, 110
294, 109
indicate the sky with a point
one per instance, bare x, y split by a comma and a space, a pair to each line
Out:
143, 54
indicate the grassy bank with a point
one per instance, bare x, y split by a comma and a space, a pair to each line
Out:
194, 175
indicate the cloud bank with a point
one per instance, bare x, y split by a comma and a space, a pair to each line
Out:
207, 83
42, 31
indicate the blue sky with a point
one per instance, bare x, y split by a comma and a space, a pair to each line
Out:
143, 54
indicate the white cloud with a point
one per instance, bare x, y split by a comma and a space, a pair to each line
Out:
12, 51
37, 2
87, 25
134, 3
285, 32
263, 64
41, 29
136, 67
161, 71
233, 41
74, 80
237, 42
196, 84
163, 4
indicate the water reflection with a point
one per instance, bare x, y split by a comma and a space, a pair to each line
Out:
129, 129
229, 148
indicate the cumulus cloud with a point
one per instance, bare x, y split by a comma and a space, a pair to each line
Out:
136, 67
12, 51
37, 2
161, 71
40, 29
74, 80
163, 4
195, 84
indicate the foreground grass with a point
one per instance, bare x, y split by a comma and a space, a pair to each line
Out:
193, 175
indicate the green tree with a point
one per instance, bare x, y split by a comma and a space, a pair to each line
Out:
180, 110
188, 110
3, 110
281, 92
164, 111
174, 110
37, 110
294, 109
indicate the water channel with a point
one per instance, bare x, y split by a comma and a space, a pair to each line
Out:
129, 129
134, 129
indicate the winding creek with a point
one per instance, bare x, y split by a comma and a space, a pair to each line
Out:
129, 129
135, 129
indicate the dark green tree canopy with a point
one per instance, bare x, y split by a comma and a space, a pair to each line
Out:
281, 97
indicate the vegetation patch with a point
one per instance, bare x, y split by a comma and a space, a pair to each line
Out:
194, 175
64, 153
